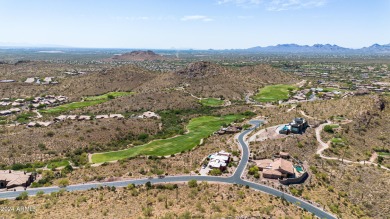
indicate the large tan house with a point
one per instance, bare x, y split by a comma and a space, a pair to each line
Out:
10, 179
276, 169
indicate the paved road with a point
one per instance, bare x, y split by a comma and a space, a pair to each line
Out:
234, 179
244, 149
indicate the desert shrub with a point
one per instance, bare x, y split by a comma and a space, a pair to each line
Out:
253, 170
192, 183
22, 196
295, 191
50, 134
131, 186
249, 114
40, 193
329, 128
334, 208
215, 172
67, 169
148, 185
63, 182
42, 146
143, 137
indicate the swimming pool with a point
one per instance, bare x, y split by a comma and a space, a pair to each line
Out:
299, 169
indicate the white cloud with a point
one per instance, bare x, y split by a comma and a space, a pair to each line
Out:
275, 5
196, 18
283, 5
241, 3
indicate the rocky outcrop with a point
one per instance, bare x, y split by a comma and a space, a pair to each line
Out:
201, 70
139, 56
380, 103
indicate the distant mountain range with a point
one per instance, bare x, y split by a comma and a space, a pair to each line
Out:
280, 48
319, 48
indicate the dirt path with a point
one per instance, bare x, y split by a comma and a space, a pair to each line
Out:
323, 146
373, 157
266, 133
225, 102
39, 115
292, 108
304, 114
301, 83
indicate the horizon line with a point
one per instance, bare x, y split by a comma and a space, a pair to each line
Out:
171, 49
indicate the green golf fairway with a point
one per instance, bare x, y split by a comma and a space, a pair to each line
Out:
273, 93
211, 102
88, 101
199, 128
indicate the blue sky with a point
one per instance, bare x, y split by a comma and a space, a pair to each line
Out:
198, 24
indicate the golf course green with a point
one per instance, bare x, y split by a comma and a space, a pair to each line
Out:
211, 102
273, 93
88, 101
198, 128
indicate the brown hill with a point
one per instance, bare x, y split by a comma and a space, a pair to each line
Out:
201, 70
139, 56
202, 79
124, 78
207, 79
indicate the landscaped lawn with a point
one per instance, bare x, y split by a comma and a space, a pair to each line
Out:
55, 164
337, 140
211, 102
109, 95
273, 93
199, 128
384, 154
88, 101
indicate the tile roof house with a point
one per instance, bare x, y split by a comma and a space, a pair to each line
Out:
60, 118
272, 174
117, 116
283, 166
275, 169
263, 164
10, 179
30, 80
284, 154
84, 118
14, 110
102, 117
149, 114
5, 112
72, 117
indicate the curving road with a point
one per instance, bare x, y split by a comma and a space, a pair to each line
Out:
234, 179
